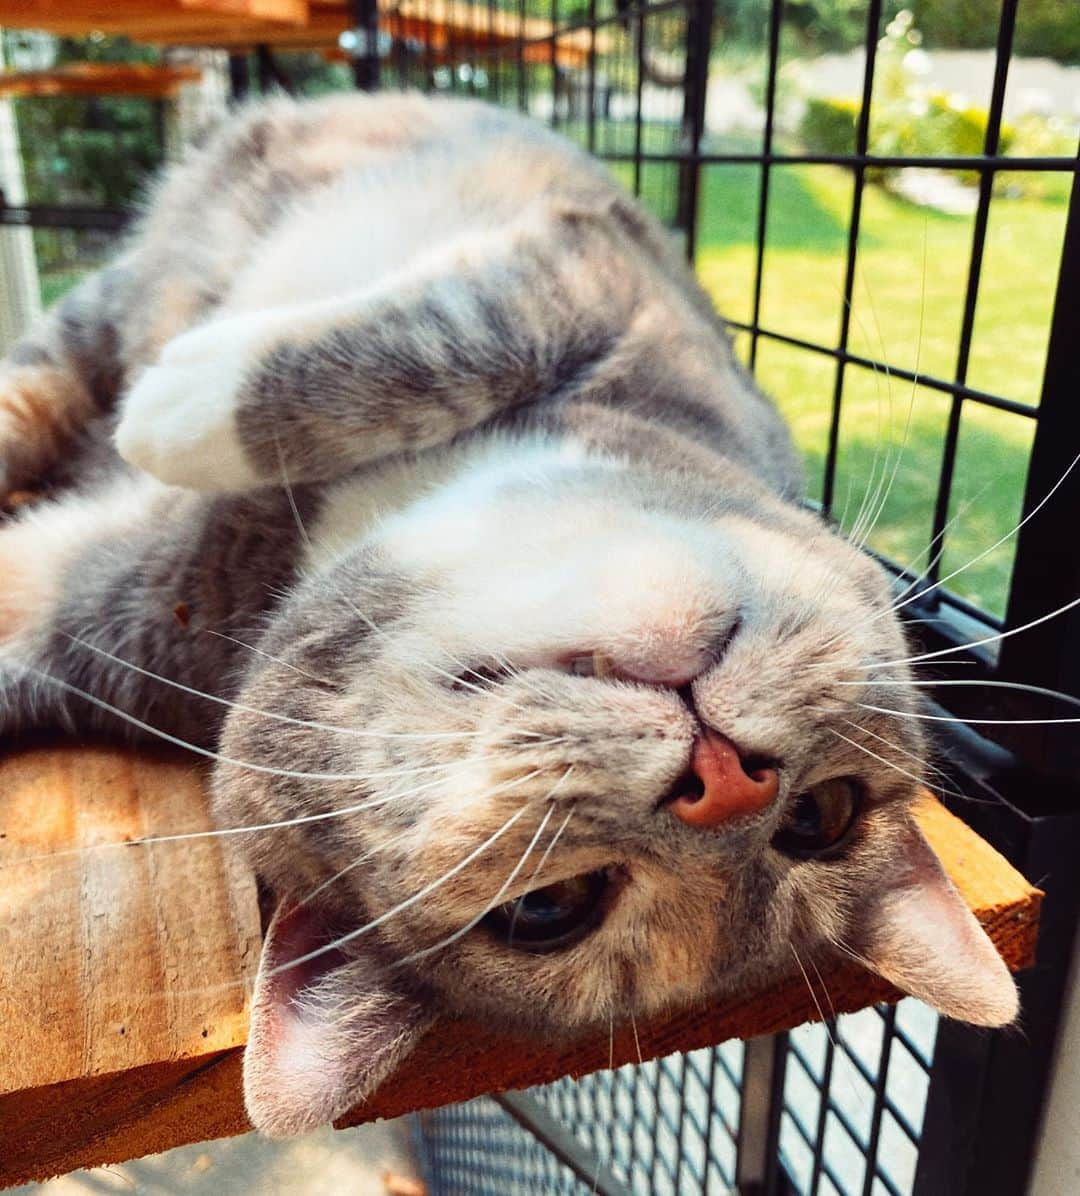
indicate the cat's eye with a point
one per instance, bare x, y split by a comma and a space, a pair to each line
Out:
592, 664
556, 916
820, 819
480, 677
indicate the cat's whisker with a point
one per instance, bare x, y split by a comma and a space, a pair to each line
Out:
934, 683
464, 930
813, 995
207, 753
435, 884
283, 718
919, 780
539, 867
897, 748
824, 989
990, 639
369, 926
997, 543
916, 581
610, 1067
637, 1041
218, 832
503, 888
911, 398
977, 722
266, 655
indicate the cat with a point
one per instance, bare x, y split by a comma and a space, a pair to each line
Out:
400, 464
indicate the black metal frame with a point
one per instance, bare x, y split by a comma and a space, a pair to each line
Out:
972, 1142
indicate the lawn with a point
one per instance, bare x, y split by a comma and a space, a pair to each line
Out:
907, 310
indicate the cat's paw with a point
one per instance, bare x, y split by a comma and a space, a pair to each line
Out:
179, 419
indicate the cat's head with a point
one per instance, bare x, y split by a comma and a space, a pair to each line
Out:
579, 747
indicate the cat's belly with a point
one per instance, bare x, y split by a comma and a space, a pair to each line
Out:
439, 479
353, 508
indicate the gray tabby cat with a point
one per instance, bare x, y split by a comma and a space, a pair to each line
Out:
552, 695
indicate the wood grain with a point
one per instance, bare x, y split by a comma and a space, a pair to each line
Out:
124, 971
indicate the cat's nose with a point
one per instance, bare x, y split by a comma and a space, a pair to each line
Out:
720, 786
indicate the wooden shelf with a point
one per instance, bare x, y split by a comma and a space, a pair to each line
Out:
145, 80
124, 971
302, 24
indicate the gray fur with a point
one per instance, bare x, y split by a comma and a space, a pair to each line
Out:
573, 333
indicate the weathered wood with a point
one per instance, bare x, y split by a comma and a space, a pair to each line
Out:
247, 23
148, 81
124, 971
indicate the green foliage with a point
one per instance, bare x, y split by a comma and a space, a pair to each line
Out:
926, 127
828, 125
95, 151
909, 121
1044, 28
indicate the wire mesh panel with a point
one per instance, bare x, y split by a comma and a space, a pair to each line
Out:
854, 1098
668, 1126
480, 1149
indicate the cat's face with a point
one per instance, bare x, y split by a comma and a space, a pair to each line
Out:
642, 716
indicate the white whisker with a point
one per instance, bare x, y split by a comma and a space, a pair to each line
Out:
934, 683
978, 722
407, 903
896, 767
283, 718
496, 900
813, 995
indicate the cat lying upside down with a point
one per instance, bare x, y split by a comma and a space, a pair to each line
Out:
442, 516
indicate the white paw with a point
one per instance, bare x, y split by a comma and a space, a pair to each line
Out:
179, 419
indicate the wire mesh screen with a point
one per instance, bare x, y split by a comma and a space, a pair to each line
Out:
667, 1126
854, 1097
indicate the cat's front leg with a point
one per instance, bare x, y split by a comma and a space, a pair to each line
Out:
313, 391
179, 420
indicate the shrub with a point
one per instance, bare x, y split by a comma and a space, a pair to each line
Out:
828, 126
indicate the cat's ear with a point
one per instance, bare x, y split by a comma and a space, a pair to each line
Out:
916, 931
324, 1033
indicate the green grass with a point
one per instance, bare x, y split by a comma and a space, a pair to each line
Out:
907, 310
55, 284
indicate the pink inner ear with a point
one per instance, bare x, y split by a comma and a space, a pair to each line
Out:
323, 1033
292, 934
919, 934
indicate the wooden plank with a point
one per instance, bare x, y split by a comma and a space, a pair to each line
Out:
293, 12
126, 970
115, 956
101, 78
22, 12
216, 23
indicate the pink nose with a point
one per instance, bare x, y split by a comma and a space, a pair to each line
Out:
727, 790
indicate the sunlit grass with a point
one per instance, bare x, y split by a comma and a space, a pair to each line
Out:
907, 310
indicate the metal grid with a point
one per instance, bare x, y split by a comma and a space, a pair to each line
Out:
854, 1101
886, 1101
668, 1126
